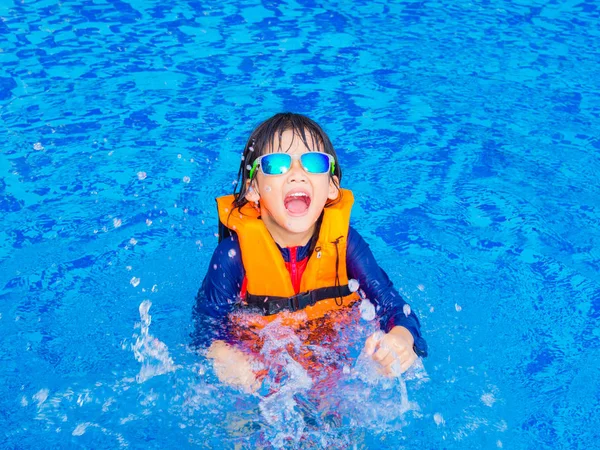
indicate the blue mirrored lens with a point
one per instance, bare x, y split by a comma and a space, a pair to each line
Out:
276, 163
314, 162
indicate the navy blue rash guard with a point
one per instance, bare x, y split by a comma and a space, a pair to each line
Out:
221, 288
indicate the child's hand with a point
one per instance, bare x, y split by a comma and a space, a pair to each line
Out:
393, 351
233, 367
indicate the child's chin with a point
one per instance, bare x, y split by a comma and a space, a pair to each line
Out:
299, 224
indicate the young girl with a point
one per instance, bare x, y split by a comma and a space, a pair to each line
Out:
288, 253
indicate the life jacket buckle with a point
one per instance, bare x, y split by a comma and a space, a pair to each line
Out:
301, 301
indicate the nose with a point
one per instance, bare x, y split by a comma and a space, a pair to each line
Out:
296, 173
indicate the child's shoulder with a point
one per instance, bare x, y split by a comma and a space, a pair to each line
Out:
227, 251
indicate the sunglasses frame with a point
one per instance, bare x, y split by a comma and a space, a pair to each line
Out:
299, 157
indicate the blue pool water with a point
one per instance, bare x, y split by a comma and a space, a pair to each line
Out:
467, 130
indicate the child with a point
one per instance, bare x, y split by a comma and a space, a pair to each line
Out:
287, 251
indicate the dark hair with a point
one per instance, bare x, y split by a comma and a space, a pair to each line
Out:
263, 138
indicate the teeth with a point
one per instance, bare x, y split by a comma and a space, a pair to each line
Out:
298, 194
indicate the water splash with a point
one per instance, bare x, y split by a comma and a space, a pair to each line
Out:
286, 380
149, 351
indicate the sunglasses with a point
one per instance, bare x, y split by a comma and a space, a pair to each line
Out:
280, 163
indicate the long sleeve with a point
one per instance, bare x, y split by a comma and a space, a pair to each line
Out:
218, 294
361, 265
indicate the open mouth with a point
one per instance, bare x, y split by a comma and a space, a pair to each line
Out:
297, 203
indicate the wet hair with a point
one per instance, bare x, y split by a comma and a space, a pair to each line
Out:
262, 140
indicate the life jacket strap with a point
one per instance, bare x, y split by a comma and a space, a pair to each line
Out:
273, 305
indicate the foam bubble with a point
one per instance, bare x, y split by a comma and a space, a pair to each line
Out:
134, 281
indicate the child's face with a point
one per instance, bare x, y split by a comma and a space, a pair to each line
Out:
287, 215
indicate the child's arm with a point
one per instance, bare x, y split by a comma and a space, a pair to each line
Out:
399, 322
214, 301
216, 298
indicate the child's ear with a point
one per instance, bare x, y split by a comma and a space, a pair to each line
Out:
252, 194
334, 191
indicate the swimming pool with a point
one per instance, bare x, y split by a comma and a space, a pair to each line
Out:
467, 131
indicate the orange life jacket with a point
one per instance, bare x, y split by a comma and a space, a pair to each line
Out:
324, 284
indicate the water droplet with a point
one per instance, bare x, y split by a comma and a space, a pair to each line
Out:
134, 281
251, 148
41, 396
457, 307
488, 399
242, 157
142, 175
179, 156
499, 443
406, 309
226, 210
353, 284
38, 146
421, 287
231, 253
248, 167
155, 288
438, 419
132, 241
367, 310
214, 266
148, 222
80, 429
128, 267
267, 188
117, 222
186, 179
